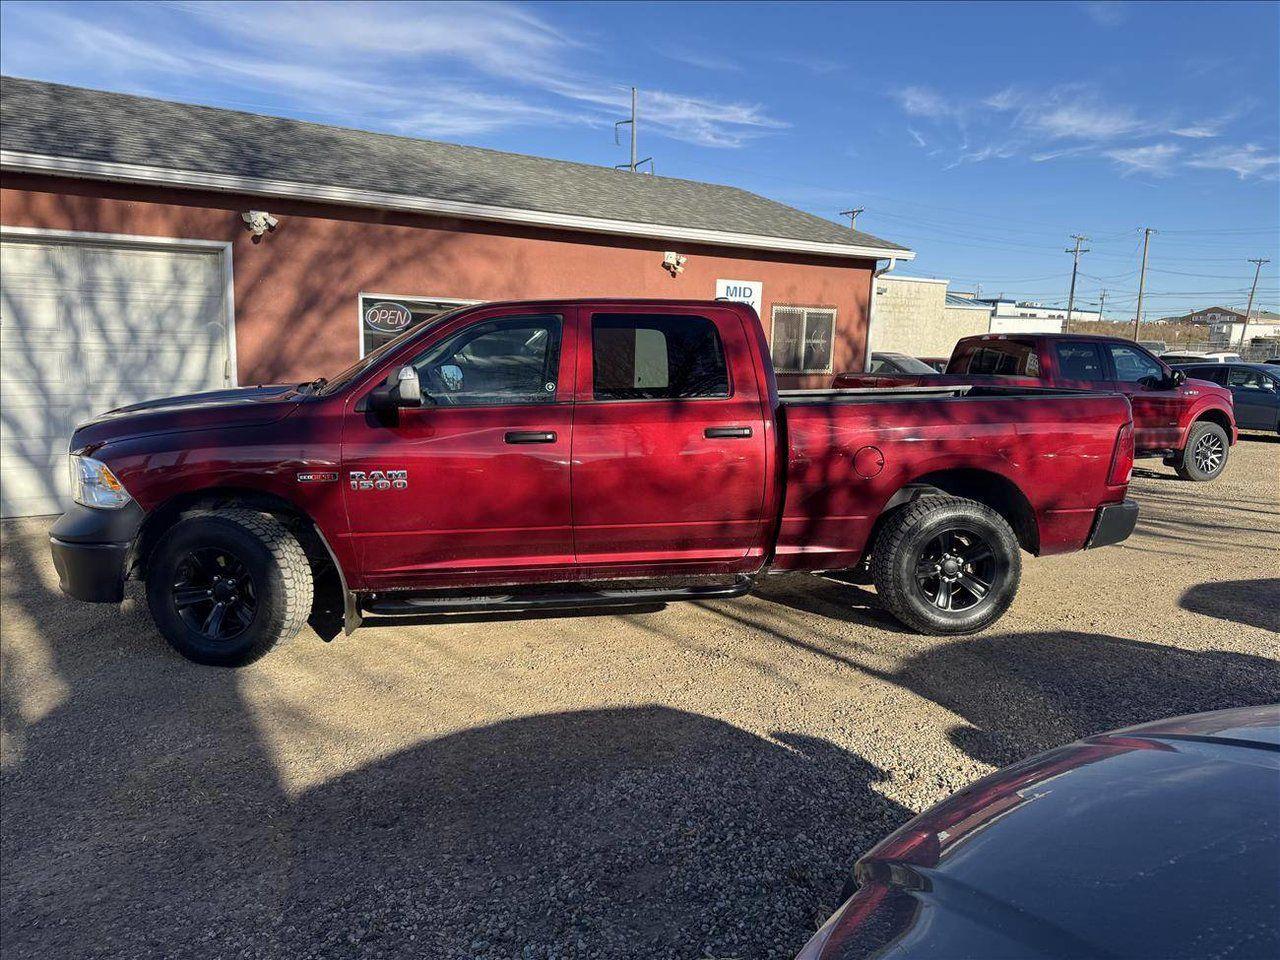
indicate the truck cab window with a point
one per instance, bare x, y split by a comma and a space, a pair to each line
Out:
1134, 366
656, 357
503, 362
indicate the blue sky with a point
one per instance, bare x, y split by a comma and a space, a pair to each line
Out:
980, 135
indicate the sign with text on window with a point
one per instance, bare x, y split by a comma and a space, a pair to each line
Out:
741, 291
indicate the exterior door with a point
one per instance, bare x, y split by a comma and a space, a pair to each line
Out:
1156, 404
669, 446
474, 484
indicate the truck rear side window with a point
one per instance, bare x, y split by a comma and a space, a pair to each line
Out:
656, 357
1001, 358
1080, 361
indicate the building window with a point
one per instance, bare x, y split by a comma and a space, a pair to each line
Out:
385, 317
803, 339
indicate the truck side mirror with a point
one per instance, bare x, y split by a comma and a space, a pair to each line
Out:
1177, 378
401, 389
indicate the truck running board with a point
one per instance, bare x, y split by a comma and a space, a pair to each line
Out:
393, 605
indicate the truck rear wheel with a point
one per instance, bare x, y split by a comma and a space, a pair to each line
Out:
944, 565
1205, 455
224, 588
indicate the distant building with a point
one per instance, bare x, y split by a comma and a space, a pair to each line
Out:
918, 317
1024, 316
1226, 325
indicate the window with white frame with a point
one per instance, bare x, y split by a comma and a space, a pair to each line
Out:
385, 317
803, 339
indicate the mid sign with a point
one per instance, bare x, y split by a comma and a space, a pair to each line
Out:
741, 291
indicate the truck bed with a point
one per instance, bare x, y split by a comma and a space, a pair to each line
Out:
850, 451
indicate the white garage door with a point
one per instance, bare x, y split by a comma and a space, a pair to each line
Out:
88, 326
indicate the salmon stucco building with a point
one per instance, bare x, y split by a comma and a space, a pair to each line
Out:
152, 247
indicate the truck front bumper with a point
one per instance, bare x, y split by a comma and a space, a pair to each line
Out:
91, 551
1113, 523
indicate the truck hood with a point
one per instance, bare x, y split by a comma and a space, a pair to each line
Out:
238, 407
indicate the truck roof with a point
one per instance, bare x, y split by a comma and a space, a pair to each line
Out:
1047, 336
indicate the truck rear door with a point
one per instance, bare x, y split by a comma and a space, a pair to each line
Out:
669, 454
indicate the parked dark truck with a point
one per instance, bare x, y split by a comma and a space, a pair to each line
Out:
1188, 423
559, 454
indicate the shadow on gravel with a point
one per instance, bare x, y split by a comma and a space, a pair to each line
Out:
1254, 603
1026, 692
137, 825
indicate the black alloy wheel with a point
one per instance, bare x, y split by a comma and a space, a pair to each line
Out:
956, 570
214, 594
946, 565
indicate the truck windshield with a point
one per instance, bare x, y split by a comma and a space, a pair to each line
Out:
372, 358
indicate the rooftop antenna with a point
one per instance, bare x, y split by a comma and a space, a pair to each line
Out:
634, 162
853, 216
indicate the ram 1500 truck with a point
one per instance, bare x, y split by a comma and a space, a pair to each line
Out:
514, 456
1188, 423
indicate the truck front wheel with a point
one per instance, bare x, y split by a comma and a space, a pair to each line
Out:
944, 565
224, 588
1205, 455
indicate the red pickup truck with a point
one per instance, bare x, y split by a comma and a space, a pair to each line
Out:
514, 456
1189, 423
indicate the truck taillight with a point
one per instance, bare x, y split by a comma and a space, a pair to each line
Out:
1122, 457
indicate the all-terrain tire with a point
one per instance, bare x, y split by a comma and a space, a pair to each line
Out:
274, 579
906, 546
1205, 455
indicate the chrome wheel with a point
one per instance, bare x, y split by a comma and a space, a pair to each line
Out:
214, 594
1209, 453
956, 570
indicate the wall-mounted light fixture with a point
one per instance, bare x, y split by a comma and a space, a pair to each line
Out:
673, 262
259, 222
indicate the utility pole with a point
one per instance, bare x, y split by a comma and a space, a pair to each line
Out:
1075, 265
853, 216
1249, 309
635, 163
1142, 280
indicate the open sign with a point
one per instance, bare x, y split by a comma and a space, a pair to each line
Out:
387, 317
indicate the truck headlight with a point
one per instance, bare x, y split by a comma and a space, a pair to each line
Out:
94, 485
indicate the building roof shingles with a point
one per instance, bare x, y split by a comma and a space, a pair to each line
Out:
54, 120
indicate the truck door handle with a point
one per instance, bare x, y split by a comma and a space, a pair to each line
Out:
530, 436
716, 433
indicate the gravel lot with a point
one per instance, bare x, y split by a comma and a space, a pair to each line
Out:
685, 781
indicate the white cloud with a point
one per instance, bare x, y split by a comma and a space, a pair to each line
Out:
445, 69
1197, 131
924, 102
1156, 159
1245, 161
1081, 120
1106, 13
1075, 120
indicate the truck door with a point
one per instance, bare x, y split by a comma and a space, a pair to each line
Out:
1156, 403
474, 484
669, 453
